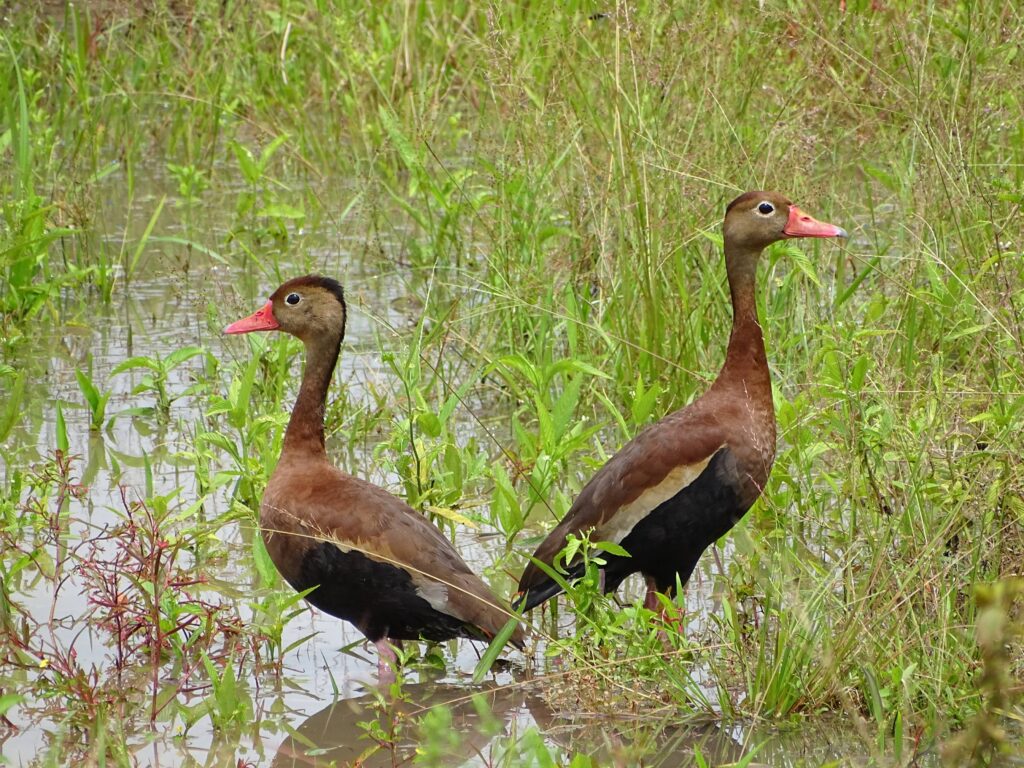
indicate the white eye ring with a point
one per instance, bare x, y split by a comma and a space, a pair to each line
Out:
292, 299
764, 208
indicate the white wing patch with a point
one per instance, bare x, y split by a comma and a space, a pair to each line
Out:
625, 519
434, 592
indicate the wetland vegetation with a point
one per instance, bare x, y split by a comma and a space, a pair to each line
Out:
523, 203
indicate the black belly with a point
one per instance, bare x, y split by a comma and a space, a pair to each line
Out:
669, 541
379, 598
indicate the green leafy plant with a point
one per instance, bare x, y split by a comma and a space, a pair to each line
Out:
95, 399
157, 378
192, 181
228, 703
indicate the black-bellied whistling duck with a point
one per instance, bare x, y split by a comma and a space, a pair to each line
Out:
371, 558
685, 481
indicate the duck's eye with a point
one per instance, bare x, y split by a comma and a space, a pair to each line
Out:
766, 208
292, 299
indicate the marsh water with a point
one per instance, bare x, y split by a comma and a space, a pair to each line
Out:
317, 709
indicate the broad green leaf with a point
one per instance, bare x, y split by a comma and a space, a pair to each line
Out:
494, 649
179, 356
281, 211
450, 514
136, 362
62, 431
12, 410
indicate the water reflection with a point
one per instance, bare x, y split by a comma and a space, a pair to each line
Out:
457, 725
663, 740
454, 723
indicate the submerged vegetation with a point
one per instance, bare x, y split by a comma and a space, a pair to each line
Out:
523, 203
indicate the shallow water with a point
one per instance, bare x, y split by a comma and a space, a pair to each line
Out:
181, 297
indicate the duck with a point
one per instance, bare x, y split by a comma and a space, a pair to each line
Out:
367, 556
685, 481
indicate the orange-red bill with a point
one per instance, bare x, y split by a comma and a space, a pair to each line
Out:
261, 320
802, 225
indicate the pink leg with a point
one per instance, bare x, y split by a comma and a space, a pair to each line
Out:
387, 660
676, 618
667, 615
651, 602
673, 616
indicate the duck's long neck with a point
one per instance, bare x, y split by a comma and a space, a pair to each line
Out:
306, 427
745, 361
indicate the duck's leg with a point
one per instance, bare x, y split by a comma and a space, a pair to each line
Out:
387, 660
672, 614
668, 614
651, 602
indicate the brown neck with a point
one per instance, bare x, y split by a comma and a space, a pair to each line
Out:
745, 361
306, 427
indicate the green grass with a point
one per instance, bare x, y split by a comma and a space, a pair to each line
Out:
546, 187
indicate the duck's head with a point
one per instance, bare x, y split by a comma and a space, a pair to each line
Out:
755, 220
307, 307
